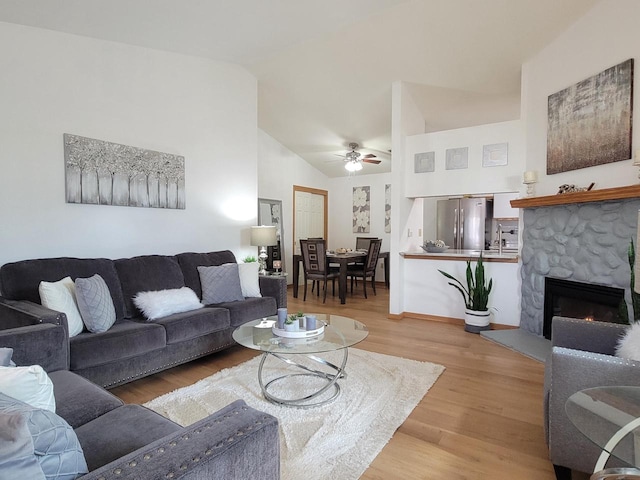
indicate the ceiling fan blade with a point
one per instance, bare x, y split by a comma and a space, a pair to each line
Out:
369, 155
371, 160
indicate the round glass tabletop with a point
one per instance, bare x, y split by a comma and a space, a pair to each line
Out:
609, 417
339, 332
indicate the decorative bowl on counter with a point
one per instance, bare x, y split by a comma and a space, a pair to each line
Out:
434, 249
435, 246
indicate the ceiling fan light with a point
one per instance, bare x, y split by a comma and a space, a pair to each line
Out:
353, 166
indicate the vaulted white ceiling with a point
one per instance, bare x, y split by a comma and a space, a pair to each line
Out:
325, 68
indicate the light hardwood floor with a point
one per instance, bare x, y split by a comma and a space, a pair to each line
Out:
481, 420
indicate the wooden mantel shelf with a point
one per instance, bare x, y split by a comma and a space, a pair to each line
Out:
617, 193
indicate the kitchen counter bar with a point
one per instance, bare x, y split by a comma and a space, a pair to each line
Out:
453, 254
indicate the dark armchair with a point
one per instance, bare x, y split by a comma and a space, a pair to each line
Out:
582, 356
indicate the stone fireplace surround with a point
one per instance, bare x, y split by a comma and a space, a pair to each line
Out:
582, 242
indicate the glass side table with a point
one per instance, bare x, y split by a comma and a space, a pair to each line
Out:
610, 417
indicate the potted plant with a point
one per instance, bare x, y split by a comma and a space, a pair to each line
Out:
475, 296
291, 323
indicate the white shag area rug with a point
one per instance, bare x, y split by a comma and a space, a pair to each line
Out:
337, 440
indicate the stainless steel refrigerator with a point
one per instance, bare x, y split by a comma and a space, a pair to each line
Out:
465, 223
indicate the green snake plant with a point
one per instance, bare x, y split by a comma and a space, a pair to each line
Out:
476, 293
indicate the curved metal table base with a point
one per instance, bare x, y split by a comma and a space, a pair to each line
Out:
306, 401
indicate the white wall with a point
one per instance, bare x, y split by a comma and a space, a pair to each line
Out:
475, 179
278, 170
406, 120
54, 83
607, 35
341, 211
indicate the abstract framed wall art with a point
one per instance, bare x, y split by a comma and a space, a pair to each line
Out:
106, 173
361, 209
424, 162
495, 155
456, 158
589, 123
387, 208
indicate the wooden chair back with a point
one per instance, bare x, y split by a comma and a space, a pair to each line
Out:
314, 259
362, 243
372, 255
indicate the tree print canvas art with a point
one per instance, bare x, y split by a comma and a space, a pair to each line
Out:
105, 173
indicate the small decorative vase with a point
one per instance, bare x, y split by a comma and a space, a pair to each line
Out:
476, 320
291, 327
302, 321
311, 322
282, 316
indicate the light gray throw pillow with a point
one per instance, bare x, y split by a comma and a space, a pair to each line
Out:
95, 304
5, 357
17, 458
54, 444
220, 284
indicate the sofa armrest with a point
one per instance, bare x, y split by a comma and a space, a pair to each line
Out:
43, 344
276, 287
596, 337
569, 372
236, 442
20, 313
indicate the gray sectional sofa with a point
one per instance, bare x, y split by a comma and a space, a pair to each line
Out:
132, 348
130, 441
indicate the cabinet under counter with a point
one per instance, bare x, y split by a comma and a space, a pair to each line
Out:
427, 292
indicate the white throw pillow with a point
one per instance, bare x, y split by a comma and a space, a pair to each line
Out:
160, 303
30, 385
249, 279
61, 296
629, 345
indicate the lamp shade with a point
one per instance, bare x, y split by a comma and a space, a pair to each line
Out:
263, 236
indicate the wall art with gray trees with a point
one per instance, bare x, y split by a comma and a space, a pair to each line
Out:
105, 173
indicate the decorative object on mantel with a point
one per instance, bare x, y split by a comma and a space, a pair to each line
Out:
571, 188
105, 173
475, 295
530, 178
589, 123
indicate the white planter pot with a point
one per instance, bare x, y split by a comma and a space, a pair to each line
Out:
475, 321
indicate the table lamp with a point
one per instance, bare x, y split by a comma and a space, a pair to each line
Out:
263, 237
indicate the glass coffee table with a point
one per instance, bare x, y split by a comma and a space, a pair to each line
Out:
339, 334
610, 417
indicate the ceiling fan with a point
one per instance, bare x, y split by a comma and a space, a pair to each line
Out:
353, 160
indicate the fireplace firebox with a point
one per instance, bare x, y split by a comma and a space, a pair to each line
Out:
581, 300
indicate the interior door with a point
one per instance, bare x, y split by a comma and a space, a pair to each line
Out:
310, 214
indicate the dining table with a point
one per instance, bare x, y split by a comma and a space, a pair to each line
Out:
342, 259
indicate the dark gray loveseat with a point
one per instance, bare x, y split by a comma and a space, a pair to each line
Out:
132, 442
132, 348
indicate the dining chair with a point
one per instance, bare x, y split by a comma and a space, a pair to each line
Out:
314, 263
313, 284
368, 268
362, 243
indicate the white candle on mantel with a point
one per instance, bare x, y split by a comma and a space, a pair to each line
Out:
530, 176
